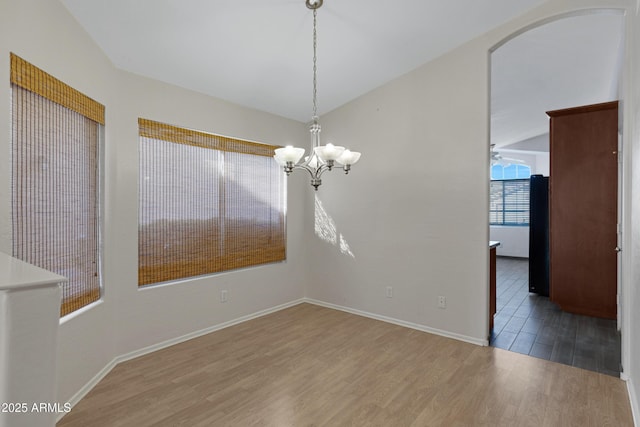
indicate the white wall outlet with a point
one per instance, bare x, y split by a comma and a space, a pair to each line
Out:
442, 302
223, 296
389, 292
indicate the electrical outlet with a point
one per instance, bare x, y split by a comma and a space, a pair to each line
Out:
389, 292
442, 302
223, 296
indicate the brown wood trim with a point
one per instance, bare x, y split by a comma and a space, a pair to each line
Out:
170, 133
32, 78
492, 286
584, 109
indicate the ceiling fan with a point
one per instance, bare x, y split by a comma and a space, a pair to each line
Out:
498, 159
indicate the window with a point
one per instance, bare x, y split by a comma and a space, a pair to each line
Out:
207, 204
512, 171
509, 202
55, 138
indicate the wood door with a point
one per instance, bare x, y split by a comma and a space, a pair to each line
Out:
583, 201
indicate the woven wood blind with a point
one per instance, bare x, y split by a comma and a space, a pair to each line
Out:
170, 133
55, 184
207, 204
33, 79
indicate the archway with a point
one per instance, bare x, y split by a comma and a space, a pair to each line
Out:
567, 61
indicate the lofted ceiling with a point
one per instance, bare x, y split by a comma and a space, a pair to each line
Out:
259, 53
566, 63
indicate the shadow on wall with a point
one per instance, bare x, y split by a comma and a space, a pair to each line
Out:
325, 228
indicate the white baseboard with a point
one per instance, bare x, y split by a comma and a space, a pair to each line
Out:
88, 386
635, 404
159, 346
168, 343
633, 396
447, 334
196, 334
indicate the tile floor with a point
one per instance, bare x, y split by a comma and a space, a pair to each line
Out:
531, 324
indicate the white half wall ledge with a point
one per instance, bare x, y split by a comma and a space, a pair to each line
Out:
29, 311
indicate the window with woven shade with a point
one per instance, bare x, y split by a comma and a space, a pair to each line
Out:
56, 134
207, 203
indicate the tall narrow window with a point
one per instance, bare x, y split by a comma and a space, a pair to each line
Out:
55, 139
207, 204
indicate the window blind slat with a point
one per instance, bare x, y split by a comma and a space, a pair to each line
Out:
509, 202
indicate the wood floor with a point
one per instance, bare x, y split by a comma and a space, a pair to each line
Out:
313, 366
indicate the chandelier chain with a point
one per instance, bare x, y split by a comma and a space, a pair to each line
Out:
315, 68
321, 158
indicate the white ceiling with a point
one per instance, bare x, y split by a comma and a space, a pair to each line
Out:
566, 63
258, 53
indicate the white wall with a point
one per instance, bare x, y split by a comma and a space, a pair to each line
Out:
43, 33
408, 223
148, 316
529, 158
129, 319
631, 226
415, 209
411, 220
514, 241
542, 164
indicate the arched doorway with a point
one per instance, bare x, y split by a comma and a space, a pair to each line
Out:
567, 62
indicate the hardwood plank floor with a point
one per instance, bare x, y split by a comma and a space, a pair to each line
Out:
309, 365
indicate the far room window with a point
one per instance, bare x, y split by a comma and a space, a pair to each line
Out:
509, 202
512, 171
207, 203
56, 134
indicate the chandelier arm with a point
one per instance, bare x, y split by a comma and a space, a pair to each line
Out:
306, 167
305, 163
322, 169
318, 171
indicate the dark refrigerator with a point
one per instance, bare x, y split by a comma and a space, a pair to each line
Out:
539, 235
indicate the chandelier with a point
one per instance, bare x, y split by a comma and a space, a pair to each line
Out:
322, 157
